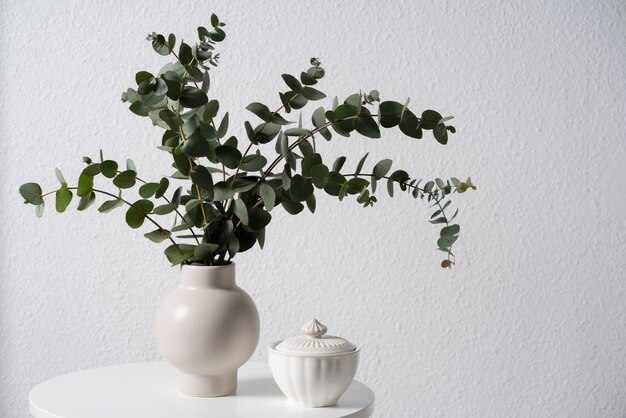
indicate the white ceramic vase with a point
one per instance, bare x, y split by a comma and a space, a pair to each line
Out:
207, 327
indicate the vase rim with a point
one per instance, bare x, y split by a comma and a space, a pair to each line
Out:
202, 266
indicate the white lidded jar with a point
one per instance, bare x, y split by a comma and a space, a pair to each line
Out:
207, 327
313, 369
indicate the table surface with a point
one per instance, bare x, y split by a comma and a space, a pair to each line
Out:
148, 390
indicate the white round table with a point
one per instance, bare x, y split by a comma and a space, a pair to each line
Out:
148, 390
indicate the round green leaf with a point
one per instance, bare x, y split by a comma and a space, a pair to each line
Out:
382, 168
163, 185
63, 198
92, 169
319, 174
185, 54
109, 168
253, 162
293, 208
86, 201
217, 35
158, 235
389, 114
125, 180
32, 193
441, 134
201, 177
136, 214
260, 110
160, 46
309, 162
446, 241
205, 251
344, 117
241, 211
450, 230
229, 156
192, 97
85, 185
430, 119
300, 188
109, 205
165, 209
258, 219
334, 182
148, 190
177, 254
211, 110
409, 125
356, 185
195, 146
266, 192
312, 94
292, 82
142, 76
367, 126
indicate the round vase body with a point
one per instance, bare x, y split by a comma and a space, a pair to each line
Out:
207, 327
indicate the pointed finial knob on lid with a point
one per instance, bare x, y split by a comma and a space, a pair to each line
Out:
314, 328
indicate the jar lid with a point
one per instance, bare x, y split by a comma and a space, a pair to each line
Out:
315, 342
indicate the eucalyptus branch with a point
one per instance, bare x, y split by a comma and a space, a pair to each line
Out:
128, 204
235, 212
433, 195
175, 210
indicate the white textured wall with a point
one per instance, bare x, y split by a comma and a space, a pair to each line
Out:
531, 323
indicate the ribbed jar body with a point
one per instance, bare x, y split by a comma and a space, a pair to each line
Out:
313, 381
207, 327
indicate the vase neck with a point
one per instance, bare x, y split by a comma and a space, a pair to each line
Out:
219, 277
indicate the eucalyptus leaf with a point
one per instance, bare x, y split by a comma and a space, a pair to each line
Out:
32, 193
338, 164
192, 97
136, 213
229, 156
367, 126
148, 190
319, 173
241, 211
312, 94
258, 219
382, 168
300, 188
205, 251
85, 185
450, 230
165, 209
86, 201
63, 198
292, 83
430, 119
124, 180
267, 194
109, 205
253, 162
179, 253
108, 168
260, 110
359, 166
158, 235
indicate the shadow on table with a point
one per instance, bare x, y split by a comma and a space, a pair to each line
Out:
265, 387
